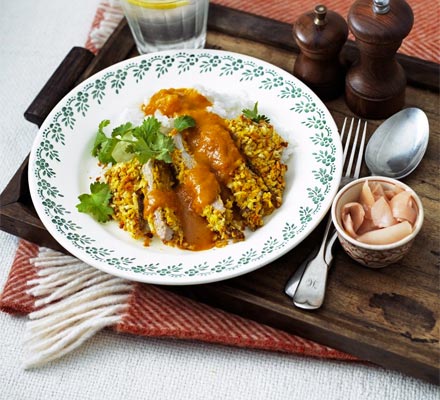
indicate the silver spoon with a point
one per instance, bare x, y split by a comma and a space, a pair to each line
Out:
398, 145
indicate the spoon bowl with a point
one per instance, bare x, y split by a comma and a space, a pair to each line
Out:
399, 144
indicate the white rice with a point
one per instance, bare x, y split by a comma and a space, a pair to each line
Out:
131, 114
227, 105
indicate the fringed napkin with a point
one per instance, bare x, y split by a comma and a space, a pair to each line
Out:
68, 301
108, 15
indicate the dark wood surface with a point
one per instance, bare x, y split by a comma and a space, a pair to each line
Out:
61, 82
389, 317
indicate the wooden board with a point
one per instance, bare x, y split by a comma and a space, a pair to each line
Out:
390, 316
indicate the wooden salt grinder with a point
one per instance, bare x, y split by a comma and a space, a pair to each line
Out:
375, 84
320, 35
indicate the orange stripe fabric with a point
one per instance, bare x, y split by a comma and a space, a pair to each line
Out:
14, 298
156, 312
159, 313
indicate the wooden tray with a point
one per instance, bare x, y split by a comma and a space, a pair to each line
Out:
390, 316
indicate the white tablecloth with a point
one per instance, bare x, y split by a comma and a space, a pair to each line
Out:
34, 38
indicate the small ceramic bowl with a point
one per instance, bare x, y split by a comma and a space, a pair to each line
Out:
373, 256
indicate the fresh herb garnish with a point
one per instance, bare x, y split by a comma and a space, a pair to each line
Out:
103, 146
127, 141
253, 114
122, 130
151, 143
97, 203
184, 122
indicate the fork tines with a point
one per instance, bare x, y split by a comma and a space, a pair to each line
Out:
354, 147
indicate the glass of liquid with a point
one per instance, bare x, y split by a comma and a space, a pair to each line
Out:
167, 25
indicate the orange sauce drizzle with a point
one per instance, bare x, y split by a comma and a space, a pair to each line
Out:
195, 229
160, 199
202, 186
216, 157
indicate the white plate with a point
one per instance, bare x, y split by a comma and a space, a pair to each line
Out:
61, 167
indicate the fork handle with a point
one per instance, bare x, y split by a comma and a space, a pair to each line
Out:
311, 289
295, 279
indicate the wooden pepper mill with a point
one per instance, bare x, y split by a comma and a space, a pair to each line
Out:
320, 35
375, 84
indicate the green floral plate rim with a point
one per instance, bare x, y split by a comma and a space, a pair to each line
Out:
61, 166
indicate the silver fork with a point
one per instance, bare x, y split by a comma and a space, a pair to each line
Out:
307, 285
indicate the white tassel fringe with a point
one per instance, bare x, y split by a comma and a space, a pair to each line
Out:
77, 301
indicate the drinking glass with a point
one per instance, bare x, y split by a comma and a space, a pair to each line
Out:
166, 25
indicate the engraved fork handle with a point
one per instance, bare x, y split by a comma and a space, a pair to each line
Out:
311, 289
293, 283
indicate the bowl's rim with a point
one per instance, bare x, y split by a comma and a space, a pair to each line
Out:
378, 247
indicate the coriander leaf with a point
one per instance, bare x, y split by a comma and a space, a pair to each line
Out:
122, 130
100, 137
105, 154
142, 151
123, 135
151, 143
150, 125
253, 114
183, 122
97, 203
103, 145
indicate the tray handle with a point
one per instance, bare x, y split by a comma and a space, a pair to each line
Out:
60, 83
